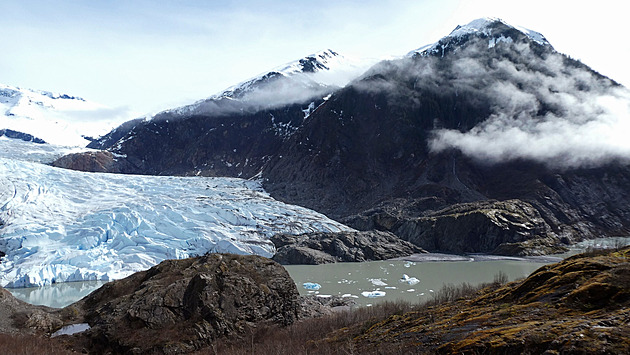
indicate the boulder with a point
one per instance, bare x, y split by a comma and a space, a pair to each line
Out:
183, 305
322, 248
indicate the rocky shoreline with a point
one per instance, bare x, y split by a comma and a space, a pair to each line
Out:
178, 306
576, 306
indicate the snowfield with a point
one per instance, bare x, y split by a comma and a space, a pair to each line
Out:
58, 119
60, 225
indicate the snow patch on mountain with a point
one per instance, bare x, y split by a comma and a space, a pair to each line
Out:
58, 119
483, 27
316, 75
60, 225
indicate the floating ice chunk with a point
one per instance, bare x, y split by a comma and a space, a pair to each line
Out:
324, 296
377, 282
411, 290
71, 329
390, 287
311, 286
409, 263
409, 280
373, 294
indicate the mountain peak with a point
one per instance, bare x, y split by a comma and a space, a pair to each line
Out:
322, 60
492, 28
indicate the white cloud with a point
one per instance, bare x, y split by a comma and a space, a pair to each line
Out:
545, 110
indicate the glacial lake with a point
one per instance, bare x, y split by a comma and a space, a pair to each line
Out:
350, 279
413, 279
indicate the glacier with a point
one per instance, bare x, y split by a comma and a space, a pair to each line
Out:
60, 225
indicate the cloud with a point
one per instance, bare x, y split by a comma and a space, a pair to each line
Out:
543, 107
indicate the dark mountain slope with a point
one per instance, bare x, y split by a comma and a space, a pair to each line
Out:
376, 143
232, 133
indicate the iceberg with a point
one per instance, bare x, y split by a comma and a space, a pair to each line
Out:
373, 294
311, 286
409, 280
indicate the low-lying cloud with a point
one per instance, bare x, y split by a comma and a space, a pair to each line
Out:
558, 114
545, 108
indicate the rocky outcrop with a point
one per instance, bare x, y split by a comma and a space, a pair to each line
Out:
98, 161
499, 227
182, 305
321, 248
18, 317
9, 133
313, 306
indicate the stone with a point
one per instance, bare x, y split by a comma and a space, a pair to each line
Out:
183, 305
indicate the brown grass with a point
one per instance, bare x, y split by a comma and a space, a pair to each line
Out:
335, 334
324, 335
30, 345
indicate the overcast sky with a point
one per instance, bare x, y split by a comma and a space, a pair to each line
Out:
145, 56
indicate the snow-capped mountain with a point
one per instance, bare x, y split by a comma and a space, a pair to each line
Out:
313, 76
234, 132
59, 225
58, 119
494, 30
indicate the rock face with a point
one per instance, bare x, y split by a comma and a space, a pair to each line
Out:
19, 135
182, 305
321, 248
99, 161
498, 227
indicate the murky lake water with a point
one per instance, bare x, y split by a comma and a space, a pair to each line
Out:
414, 279
373, 282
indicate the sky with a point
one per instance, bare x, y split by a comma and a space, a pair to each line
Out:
141, 57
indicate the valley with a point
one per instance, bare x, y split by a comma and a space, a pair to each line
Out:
486, 157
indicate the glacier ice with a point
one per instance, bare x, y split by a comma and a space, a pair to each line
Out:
311, 286
59, 225
373, 294
409, 280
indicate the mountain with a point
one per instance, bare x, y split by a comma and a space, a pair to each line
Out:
232, 133
488, 141
457, 149
54, 118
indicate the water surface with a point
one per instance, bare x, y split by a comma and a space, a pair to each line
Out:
387, 281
